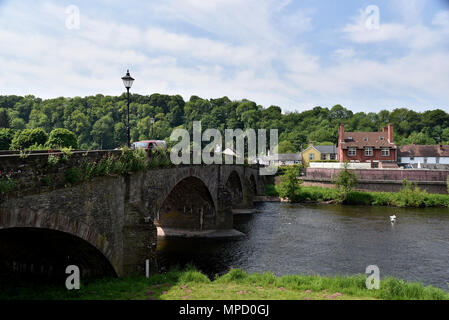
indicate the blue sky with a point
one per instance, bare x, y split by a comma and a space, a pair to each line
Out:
294, 54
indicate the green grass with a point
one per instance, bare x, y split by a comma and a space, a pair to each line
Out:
407, 197
190, 284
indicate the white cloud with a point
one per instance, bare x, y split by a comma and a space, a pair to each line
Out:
415, 36
243, 53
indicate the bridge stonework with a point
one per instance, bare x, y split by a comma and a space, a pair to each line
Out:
118, 214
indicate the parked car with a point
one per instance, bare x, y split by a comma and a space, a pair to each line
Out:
149, 144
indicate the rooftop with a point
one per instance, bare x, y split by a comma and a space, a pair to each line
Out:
366, 139
415, 150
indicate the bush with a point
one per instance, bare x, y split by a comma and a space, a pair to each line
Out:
410, 195
62, 138
270, 190
6, 136
345, 181
290, 185
27, 138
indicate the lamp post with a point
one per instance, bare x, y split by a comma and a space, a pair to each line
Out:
152, 124
128, 82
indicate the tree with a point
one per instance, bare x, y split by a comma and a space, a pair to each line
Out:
6, 136
290, 185
62, 138
4, 118
28, 137
286, 147
103, 132
345, 181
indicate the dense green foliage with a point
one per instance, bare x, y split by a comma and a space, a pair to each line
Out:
346, 180
61, 138
409, 196
99, 121
6, 136
28, 138
290, 184
236, 284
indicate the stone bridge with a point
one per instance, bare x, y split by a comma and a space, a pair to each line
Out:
108, 225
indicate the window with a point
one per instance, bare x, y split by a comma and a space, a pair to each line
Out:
412, 158
381, 137
349, 138
365, 139
425, 159
385, 152
333, 156
369, 152
352, 152
323, 156
311, 156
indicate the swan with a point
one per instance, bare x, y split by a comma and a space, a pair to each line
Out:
393, 218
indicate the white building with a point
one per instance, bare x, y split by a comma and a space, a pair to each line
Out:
424, 154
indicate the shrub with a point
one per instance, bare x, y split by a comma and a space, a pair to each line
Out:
62, 138
6, 136
410, 195
270, 190
345, 181
27, 138
52, 160
290, 185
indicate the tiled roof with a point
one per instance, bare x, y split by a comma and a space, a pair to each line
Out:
326, 149
374, 139
414, 150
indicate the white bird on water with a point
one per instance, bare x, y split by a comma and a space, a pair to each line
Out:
393, 218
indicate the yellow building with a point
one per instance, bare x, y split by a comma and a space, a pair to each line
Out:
319, 153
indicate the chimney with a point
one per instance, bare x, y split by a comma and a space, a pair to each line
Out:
341, 133
310, 143
390, 133
384, 129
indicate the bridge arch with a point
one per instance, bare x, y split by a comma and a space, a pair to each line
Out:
235, 185
44, 228
189, 204
39, 253
253, 184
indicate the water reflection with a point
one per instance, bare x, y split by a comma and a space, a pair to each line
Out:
327, 240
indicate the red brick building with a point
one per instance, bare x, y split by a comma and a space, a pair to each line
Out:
378, 148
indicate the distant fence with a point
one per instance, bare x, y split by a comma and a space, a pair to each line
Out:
434, 181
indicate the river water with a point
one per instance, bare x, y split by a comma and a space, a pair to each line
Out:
325, 240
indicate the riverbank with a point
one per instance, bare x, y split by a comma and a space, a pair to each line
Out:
405, 198
235, 285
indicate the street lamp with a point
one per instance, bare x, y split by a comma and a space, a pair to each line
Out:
152, 124
128, 82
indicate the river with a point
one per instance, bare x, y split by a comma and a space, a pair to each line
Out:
325, 240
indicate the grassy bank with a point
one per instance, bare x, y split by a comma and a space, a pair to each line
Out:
408, 197
235, 285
